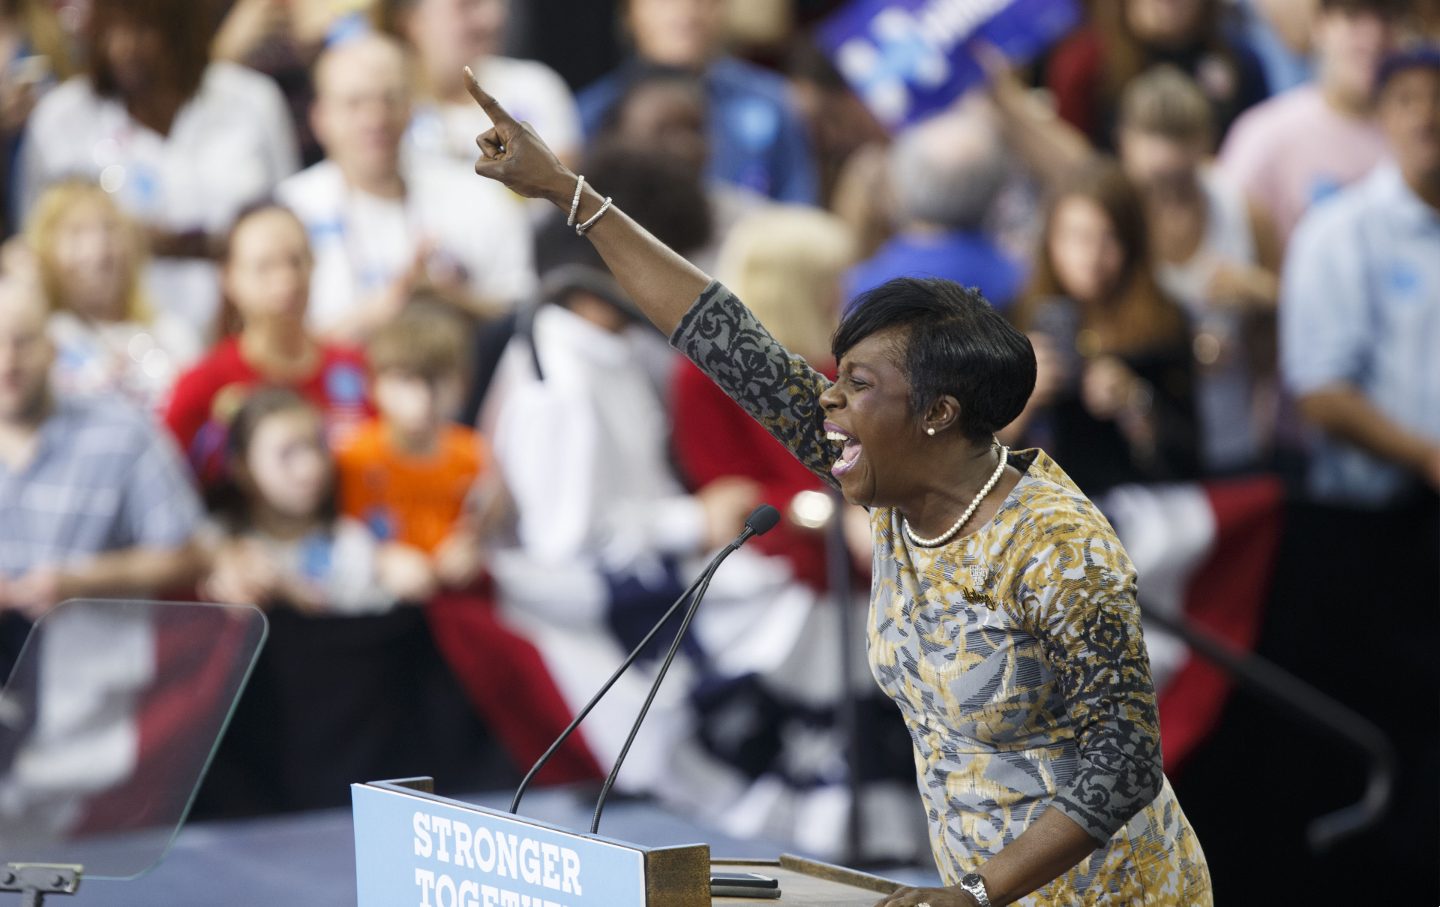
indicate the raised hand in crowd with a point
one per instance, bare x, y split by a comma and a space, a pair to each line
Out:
248, 26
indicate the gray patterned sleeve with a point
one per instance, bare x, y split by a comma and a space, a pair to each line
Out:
726, 341
1082, 586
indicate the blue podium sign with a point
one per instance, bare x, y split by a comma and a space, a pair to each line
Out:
911, 58
416, 849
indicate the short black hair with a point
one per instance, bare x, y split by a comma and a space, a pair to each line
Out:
955, 343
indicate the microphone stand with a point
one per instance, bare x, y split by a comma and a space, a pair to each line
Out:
660, 677
760, 521
600, 694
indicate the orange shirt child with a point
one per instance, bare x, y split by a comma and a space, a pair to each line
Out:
409, 498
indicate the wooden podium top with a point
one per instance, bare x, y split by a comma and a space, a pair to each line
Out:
808, 882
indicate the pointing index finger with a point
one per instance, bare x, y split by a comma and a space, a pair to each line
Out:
491, 106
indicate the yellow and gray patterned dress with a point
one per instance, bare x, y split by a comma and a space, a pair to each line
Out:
1014, 654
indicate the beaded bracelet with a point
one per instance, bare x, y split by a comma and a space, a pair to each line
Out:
575, 202
582, 229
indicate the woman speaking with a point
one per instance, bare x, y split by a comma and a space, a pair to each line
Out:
1003, 619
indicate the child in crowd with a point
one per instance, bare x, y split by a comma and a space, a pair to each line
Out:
412, 474
89, 257
280, 540
1215, 254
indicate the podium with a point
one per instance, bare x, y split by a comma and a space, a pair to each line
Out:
413, 847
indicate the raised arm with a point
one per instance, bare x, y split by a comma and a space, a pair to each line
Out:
702, 319
661, 283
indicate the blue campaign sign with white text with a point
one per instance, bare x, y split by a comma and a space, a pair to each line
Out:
910, 58
419, 850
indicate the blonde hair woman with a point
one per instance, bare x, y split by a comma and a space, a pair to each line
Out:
788, 261
89, 257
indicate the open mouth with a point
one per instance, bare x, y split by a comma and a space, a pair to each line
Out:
849, 452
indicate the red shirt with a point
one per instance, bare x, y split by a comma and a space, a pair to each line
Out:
715, 438
206, 397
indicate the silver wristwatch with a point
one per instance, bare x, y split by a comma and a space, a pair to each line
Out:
974, 886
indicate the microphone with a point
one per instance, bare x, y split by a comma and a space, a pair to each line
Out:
760, 521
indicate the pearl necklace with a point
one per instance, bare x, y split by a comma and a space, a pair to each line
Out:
964, 517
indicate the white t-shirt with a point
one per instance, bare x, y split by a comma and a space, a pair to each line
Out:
532, 92
229, 145
140, 362
339, 566
363, 243
584, 452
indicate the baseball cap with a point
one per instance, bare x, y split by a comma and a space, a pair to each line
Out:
1424, 55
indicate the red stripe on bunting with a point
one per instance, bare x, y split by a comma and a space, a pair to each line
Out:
1225, 596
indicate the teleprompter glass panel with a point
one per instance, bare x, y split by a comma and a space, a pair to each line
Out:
107, 723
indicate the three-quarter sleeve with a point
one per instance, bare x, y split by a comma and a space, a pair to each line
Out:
727, 342
1080, 596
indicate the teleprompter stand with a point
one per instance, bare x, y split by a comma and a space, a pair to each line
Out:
35, 880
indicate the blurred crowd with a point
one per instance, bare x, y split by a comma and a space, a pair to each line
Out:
265, 337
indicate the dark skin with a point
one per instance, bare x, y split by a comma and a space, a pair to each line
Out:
930, 479
137, 60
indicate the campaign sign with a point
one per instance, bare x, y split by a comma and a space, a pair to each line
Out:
910, 58
419, 850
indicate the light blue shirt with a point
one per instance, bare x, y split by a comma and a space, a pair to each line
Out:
1360, 305
103, 478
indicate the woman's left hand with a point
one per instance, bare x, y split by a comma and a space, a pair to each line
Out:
934, 897
512, 154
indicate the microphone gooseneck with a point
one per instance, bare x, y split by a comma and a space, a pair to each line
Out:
760, 521
655, 687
